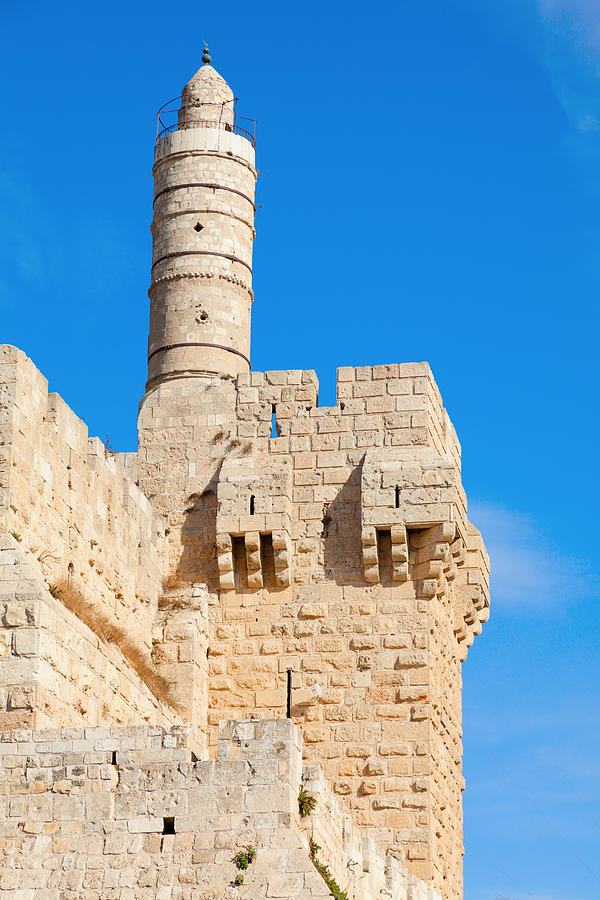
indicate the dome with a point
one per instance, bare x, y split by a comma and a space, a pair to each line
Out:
206, 100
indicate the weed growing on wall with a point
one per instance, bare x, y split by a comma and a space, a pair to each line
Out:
306, 803
242, 860
324, 872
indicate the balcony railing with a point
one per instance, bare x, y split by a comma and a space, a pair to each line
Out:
167, 119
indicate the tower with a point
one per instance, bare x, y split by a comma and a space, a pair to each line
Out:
225, 577
203, 229
334, 551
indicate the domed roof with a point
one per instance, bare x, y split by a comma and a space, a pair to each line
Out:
206, 99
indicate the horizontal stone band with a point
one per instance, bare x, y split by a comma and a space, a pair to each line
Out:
198, 344
201, 184
201, 253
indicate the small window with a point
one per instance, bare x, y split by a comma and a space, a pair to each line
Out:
397, 497
198, 227
273, 421
168, 825
252, 505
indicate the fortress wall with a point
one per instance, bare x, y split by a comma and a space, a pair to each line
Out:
54, 670
70, 504
83, 814
371, 729
386, 749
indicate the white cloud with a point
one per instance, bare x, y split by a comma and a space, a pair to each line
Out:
577, 17
528, 568
563, 37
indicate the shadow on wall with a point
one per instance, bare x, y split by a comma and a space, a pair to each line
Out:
341, 536
198, 560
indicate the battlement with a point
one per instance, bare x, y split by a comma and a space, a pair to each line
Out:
396, 405
68, 500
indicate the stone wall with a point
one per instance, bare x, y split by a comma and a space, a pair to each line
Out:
69, 513
54, 669
336, 553
70, 504
128, 814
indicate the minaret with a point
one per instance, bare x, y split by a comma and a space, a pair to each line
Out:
203, 229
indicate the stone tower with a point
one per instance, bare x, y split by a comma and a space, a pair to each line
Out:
337, 553
203, 229
259, 558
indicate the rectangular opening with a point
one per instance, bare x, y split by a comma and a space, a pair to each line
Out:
168, 825
267, 560
384, 556
397, 498
273, 421
289, 694
240, 565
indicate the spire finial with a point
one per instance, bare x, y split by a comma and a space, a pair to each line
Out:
206, 57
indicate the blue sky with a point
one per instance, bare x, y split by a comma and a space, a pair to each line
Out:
430, 191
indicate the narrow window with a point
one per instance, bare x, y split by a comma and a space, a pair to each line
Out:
114, 758
289, 693
168, 825
326, 520
252, 504
397, 497
240, 565
70, 573
273, 422
384, 556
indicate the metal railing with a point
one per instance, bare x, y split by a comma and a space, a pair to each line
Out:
167, 119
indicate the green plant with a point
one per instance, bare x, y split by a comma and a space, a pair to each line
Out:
93, 543
329, 880
313, 848
239, 879
16, 535
323, 870
306, 803
243, 858
167, 531
55, 591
